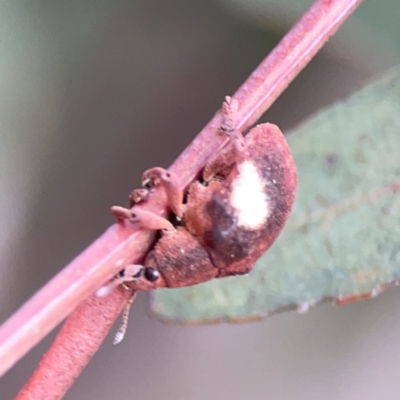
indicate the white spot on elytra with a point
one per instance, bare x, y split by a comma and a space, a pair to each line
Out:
248, 197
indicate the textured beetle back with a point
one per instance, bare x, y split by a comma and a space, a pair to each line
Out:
234, 247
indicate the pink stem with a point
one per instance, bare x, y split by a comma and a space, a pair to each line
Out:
59, 365
119, 246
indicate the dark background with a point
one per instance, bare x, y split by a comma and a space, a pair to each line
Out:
93, 93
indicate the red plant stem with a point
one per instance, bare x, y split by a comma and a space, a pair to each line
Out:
119, 246
269, 79
59, 364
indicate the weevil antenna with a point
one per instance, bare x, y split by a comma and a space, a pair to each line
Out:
124, 320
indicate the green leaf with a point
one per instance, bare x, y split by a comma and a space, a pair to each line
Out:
342, 241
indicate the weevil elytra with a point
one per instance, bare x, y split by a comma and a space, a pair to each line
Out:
230, 218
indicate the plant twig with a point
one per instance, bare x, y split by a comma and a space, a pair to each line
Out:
119, 246
82, 326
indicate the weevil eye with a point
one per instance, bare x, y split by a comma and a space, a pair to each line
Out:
151, 274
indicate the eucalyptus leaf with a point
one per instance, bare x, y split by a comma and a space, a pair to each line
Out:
342, 241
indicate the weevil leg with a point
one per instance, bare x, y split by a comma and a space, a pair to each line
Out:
142, 218
229, 110
229, 117
159, 176
137, 196
222, 164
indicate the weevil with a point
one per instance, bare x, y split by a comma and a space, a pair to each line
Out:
224, 221
231, 216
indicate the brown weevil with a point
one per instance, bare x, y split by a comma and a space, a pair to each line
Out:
230, 218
